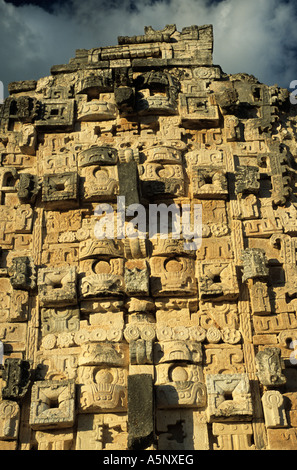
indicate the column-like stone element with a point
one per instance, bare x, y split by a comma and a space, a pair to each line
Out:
140, 411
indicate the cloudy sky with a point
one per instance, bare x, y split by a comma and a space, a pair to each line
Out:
258, 37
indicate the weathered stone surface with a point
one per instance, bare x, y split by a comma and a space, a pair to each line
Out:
254, 264
129, 184
23, 273
9, 423
269, 367
57, 286
91, 432
17, 376
140, 412
274, 411
104, 389
229, 397
52, 404
233, 436
141, 331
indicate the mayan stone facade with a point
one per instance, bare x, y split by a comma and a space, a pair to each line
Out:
141, 343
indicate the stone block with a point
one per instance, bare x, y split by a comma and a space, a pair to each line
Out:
282, 439
102, 432
140, 411
23, 273
255, 264
136, 279
17, 376
97, 155
217, 280
56, 114
60, 190
274, 411
57, 286
129, 182
269, 367
229, 397
231, 436
9, 422
104, 389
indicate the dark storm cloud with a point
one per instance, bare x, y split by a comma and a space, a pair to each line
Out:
257, 37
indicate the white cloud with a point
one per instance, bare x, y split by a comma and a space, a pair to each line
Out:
257, 37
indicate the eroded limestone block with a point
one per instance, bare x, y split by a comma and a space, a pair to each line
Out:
56, 114
247, 180
182, 429
217, 280
100, 182
233, 436
156, 93
102, 109
28, 188
136, 278
229, 397
269, 367
274, 411
282, 439
162, 179
54, 440
103, 353
102, 431
27, 139
57, 286
172, 276
52, 404
96, 155
9, 420
260, 300
61, 189
186, 351
198, 109
141, 352
17, 376
129, 182
23, 273
209, 183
